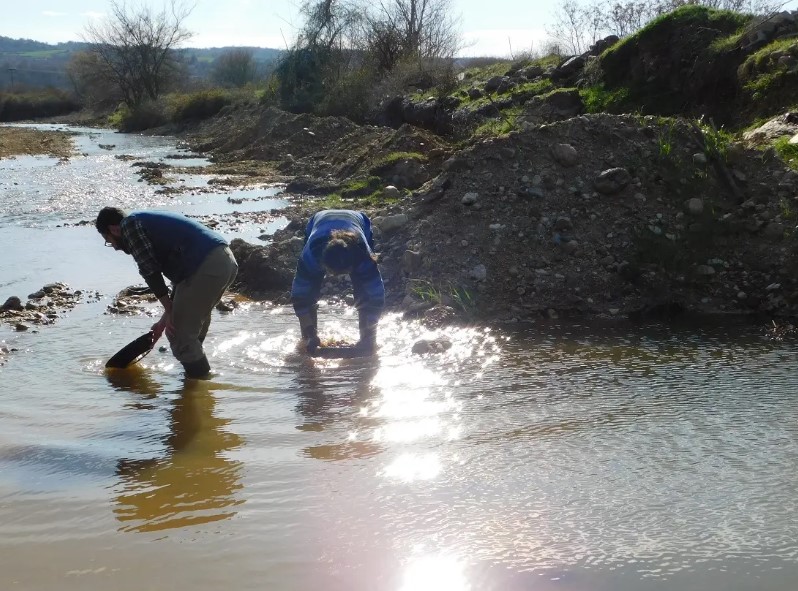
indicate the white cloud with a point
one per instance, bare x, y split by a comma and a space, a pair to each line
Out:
502, 42
93, 14
52, 13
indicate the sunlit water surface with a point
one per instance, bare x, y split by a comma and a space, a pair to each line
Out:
549, 457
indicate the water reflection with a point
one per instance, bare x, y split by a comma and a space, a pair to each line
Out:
195, 481
322, 404
134, 379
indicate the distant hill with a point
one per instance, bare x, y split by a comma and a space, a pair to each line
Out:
24, 62
200, 60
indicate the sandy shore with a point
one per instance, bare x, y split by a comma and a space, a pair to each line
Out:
17, 141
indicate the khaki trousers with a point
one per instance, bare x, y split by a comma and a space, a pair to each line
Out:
194, 299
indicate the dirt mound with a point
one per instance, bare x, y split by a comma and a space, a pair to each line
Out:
252, 132
597, 214
601, 215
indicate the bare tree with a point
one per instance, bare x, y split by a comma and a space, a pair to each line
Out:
235, 67
329, 24
137, 45
626, 18
570, 29
426, 28
89, 77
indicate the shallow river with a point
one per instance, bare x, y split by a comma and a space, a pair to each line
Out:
548, 457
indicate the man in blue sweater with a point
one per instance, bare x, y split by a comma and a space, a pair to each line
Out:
339, 241
195, 259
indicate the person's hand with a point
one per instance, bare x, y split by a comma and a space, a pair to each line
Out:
163, 325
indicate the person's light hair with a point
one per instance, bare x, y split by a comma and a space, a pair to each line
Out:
344, 250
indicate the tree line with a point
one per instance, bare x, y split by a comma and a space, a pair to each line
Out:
348, 56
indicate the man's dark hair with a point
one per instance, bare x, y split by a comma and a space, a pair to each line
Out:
109, 216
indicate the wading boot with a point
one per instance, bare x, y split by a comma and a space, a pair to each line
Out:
199, 369
307, 326
368, 335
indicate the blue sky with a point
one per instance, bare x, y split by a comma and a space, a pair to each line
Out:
489, 27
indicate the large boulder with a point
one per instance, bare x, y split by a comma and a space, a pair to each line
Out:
260, 269
554, 106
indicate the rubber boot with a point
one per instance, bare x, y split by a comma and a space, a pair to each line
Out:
307, 326
197, 370
368, 334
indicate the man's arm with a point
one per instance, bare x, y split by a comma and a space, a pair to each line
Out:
143, 252
305, 292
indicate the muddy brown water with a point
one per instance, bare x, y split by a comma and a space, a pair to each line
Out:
553, 456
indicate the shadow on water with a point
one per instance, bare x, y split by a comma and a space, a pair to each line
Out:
193, 482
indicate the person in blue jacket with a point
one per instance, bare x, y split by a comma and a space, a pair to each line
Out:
194, 258
339, 241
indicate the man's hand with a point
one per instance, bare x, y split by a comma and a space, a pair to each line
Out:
163, 325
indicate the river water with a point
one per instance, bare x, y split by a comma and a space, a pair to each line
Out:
541, 457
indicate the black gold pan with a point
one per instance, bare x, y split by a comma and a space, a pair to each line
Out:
133, 352
341, 352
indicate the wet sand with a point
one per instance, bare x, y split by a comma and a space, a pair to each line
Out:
17, 141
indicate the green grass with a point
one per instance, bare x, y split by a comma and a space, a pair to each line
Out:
358, 194
716, 141
426, 291
460, 298
465, 300
762, 58
787, 152
501, 126
768, 86
665, 140
761, 73
399, 156
528, 89
598, 99
534, 88
485, 73
42, 53
480, 75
